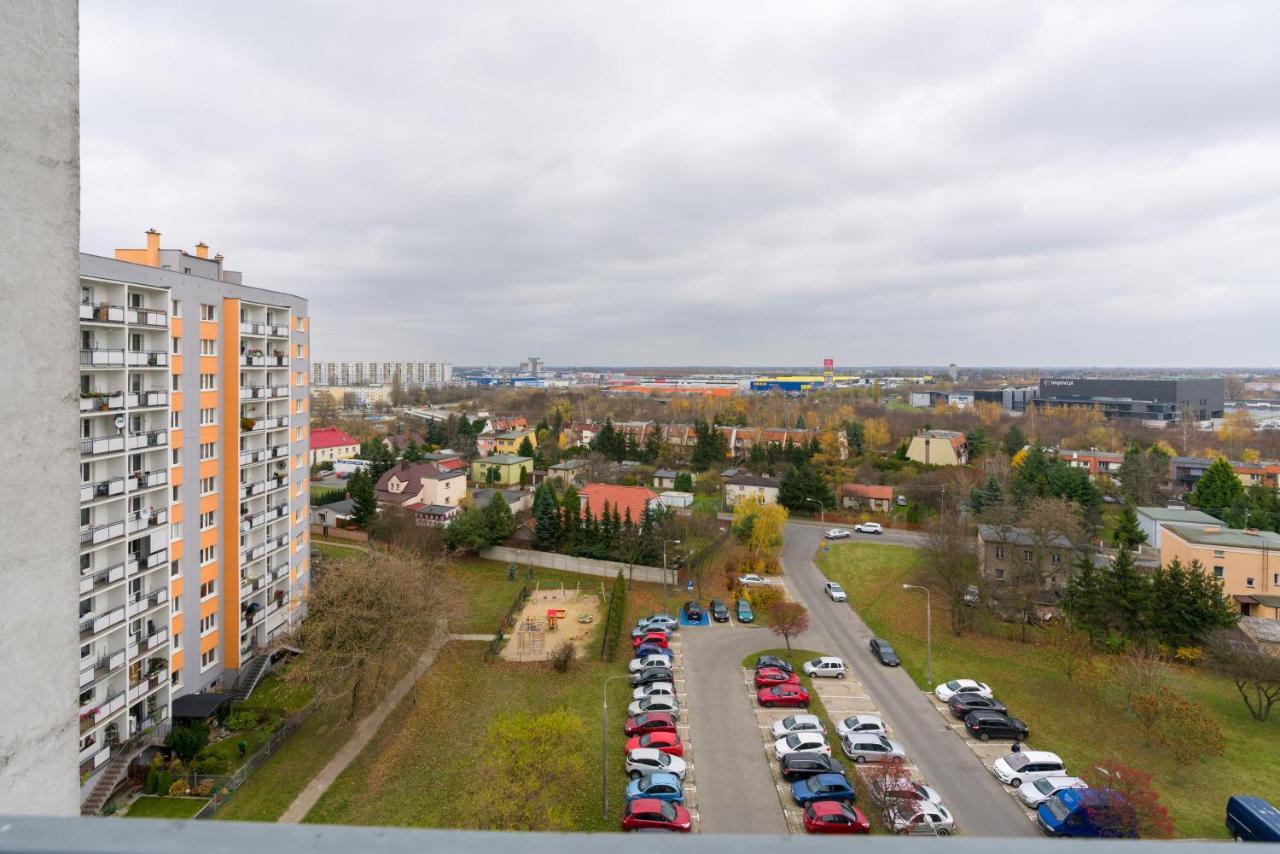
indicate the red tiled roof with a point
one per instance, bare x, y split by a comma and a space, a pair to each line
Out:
330, 437
869, 490
451, 465
633, 498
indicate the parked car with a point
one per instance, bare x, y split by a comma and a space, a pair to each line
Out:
657, 659
667, 742
1014, 769
745, 614
869, 528
962, 704
652, 674
1251, 819
783, 695
767, 676
661, 786
835, 591
654, 689
881, 649
860, 724
655, 704
827, 665
925, 818
645, 760
649, 722
645, 650
1088, 813
988, 725
872, 747
658, 621
834, 817
796, 766
645, 630
947, 690
801, 742
773, 661
644, 813
719, 612
796, 723
752, 580
822, 787
836, 534
1036, 792
904, 789
658, 639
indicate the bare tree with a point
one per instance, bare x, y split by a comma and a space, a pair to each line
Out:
788, 619
951, 563
1139, 672
1255, 674
1073, 653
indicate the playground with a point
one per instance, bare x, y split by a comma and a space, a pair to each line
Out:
551, 616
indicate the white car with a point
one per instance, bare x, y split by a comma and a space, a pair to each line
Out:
802, 742
835, 591
1036, 792
925, 818
903, 788
649, 760
947, 690
1014, 769
836, 534
654, 689
870, 747
752, 580
869, 528
638, 664
860, 724
796, 723
654, 704
827, 665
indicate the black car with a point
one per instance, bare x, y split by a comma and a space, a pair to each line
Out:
880, 649
693, 611
797, 766
719, 612
962, 704
650, 675
989, 725
773, 661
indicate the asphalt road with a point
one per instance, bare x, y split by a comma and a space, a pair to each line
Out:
977, 799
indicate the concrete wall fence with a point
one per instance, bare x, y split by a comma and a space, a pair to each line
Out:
580, 565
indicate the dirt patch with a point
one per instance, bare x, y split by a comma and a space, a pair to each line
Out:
551, 617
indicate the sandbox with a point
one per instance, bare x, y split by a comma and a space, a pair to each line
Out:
551, 617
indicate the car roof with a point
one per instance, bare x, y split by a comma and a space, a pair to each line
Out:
1041, 756
826, 807
828, 658
644, 804
657, 716
804, 717
664, 777
793, 758
830, 777
864, 717
645, 753
988, 714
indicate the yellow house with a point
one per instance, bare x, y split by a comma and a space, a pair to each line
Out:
939, 448
509, 443
1246, 561
500, 469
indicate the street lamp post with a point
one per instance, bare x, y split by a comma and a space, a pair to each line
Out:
604, 744
928, 631
665, 606
822, 510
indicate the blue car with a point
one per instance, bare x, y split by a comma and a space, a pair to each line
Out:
1088, 813
744, 612
651, 649
822, 787
660, 786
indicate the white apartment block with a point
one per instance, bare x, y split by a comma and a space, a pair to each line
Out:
422, 374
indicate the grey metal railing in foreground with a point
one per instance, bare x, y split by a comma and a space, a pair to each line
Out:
148, 836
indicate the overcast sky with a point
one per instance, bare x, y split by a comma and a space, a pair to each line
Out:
710, 183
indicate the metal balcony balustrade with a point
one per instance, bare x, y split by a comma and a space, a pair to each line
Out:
101, 401
149, 439
102, 578
147, 358
252, 328
92, 624
98, 534
149, 518
102, 312
102, 489
147, 317
102, 358
148, 398
153, 559
100, 445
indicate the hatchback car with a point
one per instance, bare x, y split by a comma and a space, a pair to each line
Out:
834, 817
654, 660
654, 689
773, 661
837, 534
646, 760
767, 676
660, 786
828, 665
884, 653
745, 614
904, 789
988, 725
962, 704
751, 580
645, 650
869, 528
719, 612
693, 611
658, 639
870, 747
860, 724
783, 695
650, 675
640, 631
1014, 769
796, 766
947, 690
655, 704
651, 813
835, 591
667, 742
649, 722
1036, 792
926, 819
658, 621
822, 787
796, 723
801, 742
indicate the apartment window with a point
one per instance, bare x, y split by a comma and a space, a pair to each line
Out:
1055, 559
1219, 553
175, 419
175, 569
208, 382
208, 416
1248, 582
206, 555
208, 347
174, 379
1275, 578
208, 484
208, 588
173, 493
175, 531
208, 623
1000, 573
297, 349
207, 312
176, 345
208, 659
1028, 555
175, 605
208, 450
175, 680
173, 456
999, 552
206, 520
1218, 572
177, 308
176, 640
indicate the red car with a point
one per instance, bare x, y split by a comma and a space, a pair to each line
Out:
783, 695
768, 676
834, 817
652, 813
649, 722
658, 639
666, 742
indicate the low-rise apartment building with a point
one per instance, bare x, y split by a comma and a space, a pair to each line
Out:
510, 441
939, 448
1020, 566
501, 469
330, 443
1245, 561
866, 496
414, 485
1152, 519
745, 484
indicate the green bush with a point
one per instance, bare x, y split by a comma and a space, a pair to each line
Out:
153, 782
187, 741
210, 763
562, 657
240, 721
614, 621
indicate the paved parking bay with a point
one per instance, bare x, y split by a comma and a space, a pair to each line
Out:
678, 672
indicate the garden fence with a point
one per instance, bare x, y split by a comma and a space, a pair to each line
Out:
506, 625
225, 786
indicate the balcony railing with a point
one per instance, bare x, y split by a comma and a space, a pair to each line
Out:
256, 553
252, 392
278, 331
101, 401
253, 520
102, 313
148, 358
253, 361
148, 317
92, 669
248, 458
102, 578
102, 489
148, 439
101, 358
280, 481
99, 534
275, 422
151, 560
279, 451
278, 361
148, 479
277, 391
143, 519
140, 644
142, 399
248, 328
277, 543
101, 445
95, 623
248, 490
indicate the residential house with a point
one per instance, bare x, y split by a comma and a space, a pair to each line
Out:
510, 442
1097, 462
501, 469
485, 444
627, 499
1245, 561
939, 448
676, 500
397, 443
435, 515
866, 496
415, 485
745, 484
505, 424
335, 515
665, 478
327, 444
568, 472
1150, 520
1016, 564
517, 499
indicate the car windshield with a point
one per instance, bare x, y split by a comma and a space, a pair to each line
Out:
1057, 809
886, 743
788, 723
794, 741
667, 810
953, 685
1016, 761
1044, 787
663, 759
836, 587
812, 784
886, 649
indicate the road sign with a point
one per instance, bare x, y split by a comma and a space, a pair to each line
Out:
688, 585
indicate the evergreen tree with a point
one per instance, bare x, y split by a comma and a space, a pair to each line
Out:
757, 459
801, 484
652, 445
1210, 608
469, 531
709, 448
1014, 440
683, 482
1127, 533
379, 457
1084, 600
800, 423
499, 522
1219, 491
1128, 597
630, 450
854, 435
989, 495
412, 453
526, 448
979, 444
570, 518
364, 503
546, 532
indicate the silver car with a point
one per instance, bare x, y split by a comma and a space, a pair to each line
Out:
871, 747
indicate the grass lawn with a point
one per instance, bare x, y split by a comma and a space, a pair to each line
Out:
335, 550
150, 806
275, 692
486, 593
1080, 721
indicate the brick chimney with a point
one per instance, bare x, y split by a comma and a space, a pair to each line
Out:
153, 248
202, 250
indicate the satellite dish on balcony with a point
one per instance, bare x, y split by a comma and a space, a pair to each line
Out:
119, 422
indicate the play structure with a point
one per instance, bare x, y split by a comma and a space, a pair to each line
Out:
552, 615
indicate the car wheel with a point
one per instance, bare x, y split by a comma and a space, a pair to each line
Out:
635, 775
942, 831
858, 760
839, 675
984, 736
1015, 782
766, 705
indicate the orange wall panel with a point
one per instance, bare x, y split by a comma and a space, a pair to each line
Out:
175, 327
209, 606
175, 587
208, 572
208, 433
175, 476
175, 661
209, 328
176, 623
175, 401
209, 468
208, 642
209, 503
229, 388
175, 363
175, 438
175, 550
209, 537
175, 513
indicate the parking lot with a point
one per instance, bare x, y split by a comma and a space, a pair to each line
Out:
682, 729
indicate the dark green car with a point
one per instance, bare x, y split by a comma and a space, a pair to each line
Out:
744, 612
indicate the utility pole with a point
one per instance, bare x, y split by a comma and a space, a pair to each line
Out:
665, 575
928, 631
